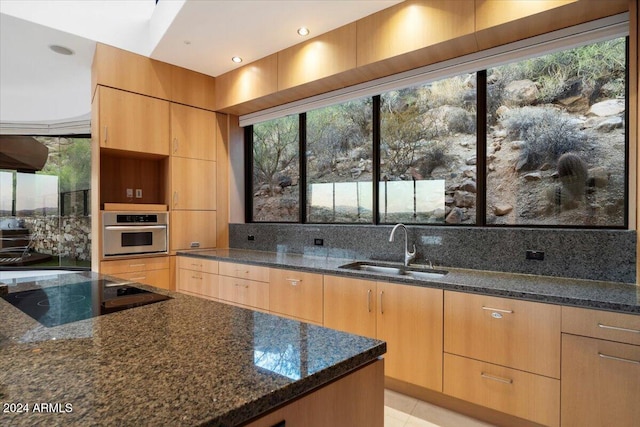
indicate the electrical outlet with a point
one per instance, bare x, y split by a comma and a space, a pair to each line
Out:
138, 193
129, 193
535, 255
251, 237
318, 242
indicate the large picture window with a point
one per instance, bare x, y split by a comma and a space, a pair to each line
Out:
535, 142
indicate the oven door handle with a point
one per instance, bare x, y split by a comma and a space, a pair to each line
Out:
134, 227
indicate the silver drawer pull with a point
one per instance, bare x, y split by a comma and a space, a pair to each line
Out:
196, 265
494, 378
196, 277
617, 328
619, 359
294, 282
136, 265
369, 300
499, 310
138, 278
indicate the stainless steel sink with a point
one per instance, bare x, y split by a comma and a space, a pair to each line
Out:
393, 270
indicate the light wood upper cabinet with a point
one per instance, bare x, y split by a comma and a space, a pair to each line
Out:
328, 54
499, 22
247, 83
600, 383
132, 122
408, 318
193, 184
296, 294
517, 334
414, 25
193, 132
192, 88
128, 71
350, 305
192, 229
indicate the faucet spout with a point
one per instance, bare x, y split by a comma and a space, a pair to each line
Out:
408, 256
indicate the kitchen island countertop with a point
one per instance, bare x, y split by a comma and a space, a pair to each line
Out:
184, 361
611, 296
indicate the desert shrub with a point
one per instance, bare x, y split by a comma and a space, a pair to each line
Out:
435, 154
461, 121
451, 91
547, 134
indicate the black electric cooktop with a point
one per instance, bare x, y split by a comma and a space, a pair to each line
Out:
57, 305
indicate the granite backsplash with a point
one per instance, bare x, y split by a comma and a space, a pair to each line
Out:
608, 255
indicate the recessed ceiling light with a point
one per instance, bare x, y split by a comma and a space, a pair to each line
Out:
303, 31
236, 59
61, 49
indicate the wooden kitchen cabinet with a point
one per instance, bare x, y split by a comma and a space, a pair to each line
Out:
408, 317
152, 271
197, 276
192, 230
356, 399
193, 184
518, 393
247, 293
133, 122
193, 132
600, 368
296, 294
244, 271
518, 334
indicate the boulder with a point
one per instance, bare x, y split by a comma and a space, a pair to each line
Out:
521, 92
502, 209
533, 176
464, 199
469, 185
455, 216
610, 107
610, 124
598, 177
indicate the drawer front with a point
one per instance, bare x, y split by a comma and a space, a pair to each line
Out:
198, 264
529, 396
136, 264
244, 292
244, 271
296, 294
157, 278
619, 327
198, 283
600, 382
517, 334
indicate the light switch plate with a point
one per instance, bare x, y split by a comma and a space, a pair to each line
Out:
129, 193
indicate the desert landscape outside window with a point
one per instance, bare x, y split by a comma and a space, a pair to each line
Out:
339, 153
556, 139
276, 170
428, 153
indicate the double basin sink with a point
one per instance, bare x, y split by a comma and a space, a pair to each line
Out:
395, 270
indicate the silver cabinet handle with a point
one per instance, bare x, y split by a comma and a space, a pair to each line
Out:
381, 308
138, 278
369, 300
196, 265
176, 145
294, 282
196, 277
499, 310
619, 359
494, 378
175, 199
136, 265
136, 228
617, 328
106, 133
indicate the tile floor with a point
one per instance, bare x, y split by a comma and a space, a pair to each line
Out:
405, 411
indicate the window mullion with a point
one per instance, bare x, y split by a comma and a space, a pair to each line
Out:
375, 179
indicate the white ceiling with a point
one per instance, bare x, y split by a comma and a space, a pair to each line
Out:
37, 85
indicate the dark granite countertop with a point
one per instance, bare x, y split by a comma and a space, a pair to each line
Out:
184, 361
600, 295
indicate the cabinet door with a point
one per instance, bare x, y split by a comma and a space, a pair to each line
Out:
193, 132
600, 383
198, 283
350, 305
518, 334
296, 294
244, 292
133, 122
193, 184
189, 228
410, 321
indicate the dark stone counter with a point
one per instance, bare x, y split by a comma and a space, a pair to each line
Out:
593, 294
184, 361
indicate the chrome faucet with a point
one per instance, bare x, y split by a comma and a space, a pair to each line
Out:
408, 256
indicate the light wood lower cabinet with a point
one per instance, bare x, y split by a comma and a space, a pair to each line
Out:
248, 293
152, 271
244, 271
529, 396
513, 333
296, 294
197, 276
408, 318
600, 368
354, 400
